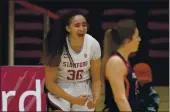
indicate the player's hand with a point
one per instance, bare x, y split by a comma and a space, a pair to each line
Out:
90, 104
93, 103
81, 100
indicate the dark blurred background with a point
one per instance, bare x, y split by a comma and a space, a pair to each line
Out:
152, 18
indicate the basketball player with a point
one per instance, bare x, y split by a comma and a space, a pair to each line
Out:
119, 42
72, 65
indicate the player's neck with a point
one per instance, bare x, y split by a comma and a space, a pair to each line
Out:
75, 41
124, 53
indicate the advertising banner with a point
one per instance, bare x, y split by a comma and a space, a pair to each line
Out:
22, 88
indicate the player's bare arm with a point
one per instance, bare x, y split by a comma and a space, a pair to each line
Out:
115, 72
96, 82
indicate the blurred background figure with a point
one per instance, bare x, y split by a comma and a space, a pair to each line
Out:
148, 97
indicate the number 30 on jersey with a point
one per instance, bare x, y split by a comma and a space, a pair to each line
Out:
75, 75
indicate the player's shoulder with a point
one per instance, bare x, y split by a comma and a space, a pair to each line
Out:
115, 61
115, 65
90, 38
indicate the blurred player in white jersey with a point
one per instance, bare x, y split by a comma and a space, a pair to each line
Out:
72, 65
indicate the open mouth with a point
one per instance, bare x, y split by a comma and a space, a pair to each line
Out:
80, 35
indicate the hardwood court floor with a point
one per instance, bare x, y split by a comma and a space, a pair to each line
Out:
164, 99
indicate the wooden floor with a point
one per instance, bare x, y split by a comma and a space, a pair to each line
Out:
164, 99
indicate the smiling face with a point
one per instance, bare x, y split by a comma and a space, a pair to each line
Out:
77, 27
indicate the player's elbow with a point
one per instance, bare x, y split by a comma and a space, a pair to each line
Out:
48, 84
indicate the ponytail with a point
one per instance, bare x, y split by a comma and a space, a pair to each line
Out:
116, 40
107, 46
108, 43
111, 44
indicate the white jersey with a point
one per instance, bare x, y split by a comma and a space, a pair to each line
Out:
79, 70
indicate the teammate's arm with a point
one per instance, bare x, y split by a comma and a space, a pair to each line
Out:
115, 71
96, 82
95, 71
50, 82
